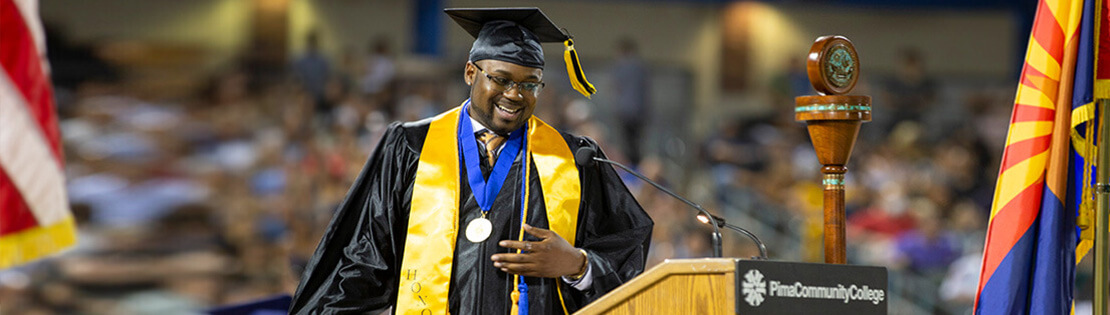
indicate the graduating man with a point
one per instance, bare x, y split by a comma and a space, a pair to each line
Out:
481, 209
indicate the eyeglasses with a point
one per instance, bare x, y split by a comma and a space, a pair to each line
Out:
506, 84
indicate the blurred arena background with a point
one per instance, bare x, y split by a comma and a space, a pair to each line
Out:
208, 141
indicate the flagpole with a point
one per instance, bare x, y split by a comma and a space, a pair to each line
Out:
1102, 246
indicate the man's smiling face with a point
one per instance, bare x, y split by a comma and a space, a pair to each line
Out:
499, 109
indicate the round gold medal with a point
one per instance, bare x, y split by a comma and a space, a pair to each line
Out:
478, 230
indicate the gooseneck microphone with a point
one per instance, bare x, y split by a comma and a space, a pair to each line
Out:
721, 222
586, 156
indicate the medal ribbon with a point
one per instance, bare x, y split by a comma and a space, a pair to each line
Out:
485, 191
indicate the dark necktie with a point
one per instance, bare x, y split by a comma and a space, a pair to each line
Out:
492, 141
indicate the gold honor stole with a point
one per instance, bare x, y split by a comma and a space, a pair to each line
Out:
425, 275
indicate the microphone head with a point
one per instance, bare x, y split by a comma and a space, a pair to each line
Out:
585, 156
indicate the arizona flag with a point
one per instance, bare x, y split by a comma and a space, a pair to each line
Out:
35, 220
1043, 198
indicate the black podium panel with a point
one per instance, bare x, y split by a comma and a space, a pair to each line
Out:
778, 287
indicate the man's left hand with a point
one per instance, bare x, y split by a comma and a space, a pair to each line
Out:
549, 258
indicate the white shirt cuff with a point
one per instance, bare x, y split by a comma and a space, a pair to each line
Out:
583, 283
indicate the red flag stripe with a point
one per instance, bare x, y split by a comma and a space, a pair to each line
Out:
22, 64
1102, 62
1026, 113
13, 209
1007, 226
1024, 149
27, 159
1049, 35
34, 210
1034, 78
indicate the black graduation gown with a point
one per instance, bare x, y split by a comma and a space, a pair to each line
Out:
355, 268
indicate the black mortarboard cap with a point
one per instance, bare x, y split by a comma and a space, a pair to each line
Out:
508, 34
514, 35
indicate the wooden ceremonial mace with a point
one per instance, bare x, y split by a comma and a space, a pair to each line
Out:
833, 120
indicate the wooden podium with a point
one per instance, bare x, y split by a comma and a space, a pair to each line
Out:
677, 286
737, 286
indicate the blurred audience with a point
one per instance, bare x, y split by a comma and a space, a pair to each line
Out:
910, 94
220, 199
379, 71
313, 71
631, 84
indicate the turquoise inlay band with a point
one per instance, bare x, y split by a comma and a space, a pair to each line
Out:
831, 107
833, 181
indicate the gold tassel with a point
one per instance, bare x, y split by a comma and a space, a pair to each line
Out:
574, 71
516, 298
1088, 148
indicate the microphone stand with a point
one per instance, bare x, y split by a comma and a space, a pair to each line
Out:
716, 229
725, 224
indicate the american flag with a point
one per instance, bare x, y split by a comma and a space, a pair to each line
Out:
35, 219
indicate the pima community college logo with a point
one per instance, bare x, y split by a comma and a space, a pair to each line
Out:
754, 287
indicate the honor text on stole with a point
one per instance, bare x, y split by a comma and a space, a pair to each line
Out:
414, 286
